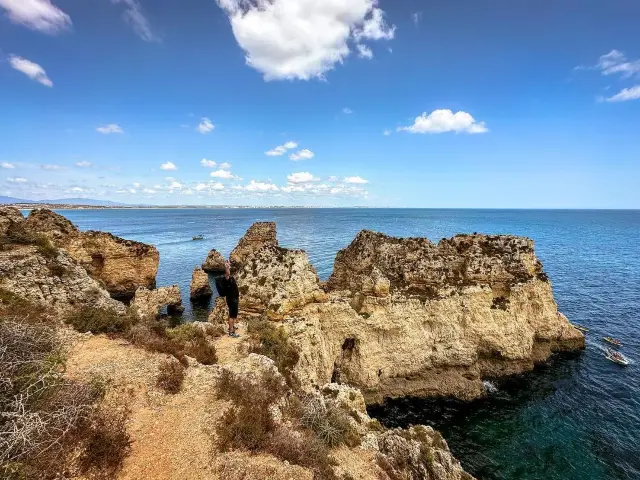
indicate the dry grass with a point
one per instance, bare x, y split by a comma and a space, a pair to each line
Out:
330, 423
96, 320
170, 376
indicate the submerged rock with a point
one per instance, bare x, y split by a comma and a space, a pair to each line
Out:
122, 266
214, 262
150, 303
259, 235
200, 287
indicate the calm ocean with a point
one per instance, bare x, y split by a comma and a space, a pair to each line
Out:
578, 417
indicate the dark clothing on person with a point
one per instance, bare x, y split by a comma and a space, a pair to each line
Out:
228, 288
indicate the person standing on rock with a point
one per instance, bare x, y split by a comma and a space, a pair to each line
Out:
228, 288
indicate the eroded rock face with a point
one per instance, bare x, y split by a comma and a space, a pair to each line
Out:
53, 281
407, 317
220, 313
9, 216
122, 266
259, 235
277, 281
214, 262
200, 287
150, 303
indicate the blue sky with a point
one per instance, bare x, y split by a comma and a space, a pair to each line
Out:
343, 102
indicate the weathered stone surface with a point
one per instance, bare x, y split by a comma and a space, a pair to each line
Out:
259, 235
200, 287
8, 217
120, 265
149, 303
57, 281
220, 313
407, 317
277, 281
214, 262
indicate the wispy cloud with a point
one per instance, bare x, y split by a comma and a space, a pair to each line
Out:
347, 111
40, 15
134, 16
17, 180
30, 69
364, 51
52, 168
84, 164
632, 93
207, 163
7, 165
281, 149
111, 128
356, 180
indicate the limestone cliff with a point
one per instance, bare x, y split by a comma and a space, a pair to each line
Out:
200, 287
214, 263
150, 303
120, 265
409, 317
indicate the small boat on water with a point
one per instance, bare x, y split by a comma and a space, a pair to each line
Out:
581, 328
198, 237
616, 357
612, 341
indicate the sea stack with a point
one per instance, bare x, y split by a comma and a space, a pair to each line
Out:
200, 287
405, 316
214, 262
259, 235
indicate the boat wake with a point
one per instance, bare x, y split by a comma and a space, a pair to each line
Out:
489, 387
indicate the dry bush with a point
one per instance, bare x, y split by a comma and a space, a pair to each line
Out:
273, 342
179, 342
19, 235
330, 423
97, 320
170, 376
106, 441
14, 307
249, 424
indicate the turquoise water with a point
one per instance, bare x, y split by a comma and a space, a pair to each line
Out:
578, 417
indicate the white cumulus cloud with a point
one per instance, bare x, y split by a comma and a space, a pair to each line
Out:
302, 39
110, 128
134, 16
7, 165
223, 174
302, 155
225, 166
207, 163
632, 93
39, 15
205, 126
301, 177
356, 180
441, 121
17, 180
168, 166
254, 186
281, 149
84, 164
30, 69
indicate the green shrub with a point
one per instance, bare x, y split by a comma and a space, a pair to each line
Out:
273, 342
96, 320
170, 376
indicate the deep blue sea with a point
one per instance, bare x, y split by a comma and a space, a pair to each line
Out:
578, 417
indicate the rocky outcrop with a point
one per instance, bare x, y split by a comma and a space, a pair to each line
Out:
259, 235
53, 280
214, 263
409, 317
122, 266
277, 281
220, 313
150, 303
200, 287
9, 216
